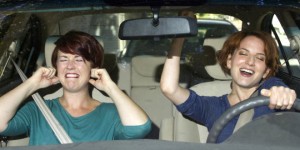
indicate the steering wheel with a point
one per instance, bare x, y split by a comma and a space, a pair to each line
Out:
238, 109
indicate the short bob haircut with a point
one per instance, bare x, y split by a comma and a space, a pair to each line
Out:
233, 43
81, 44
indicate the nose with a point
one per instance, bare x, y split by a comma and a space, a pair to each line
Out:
251, 60
71, 64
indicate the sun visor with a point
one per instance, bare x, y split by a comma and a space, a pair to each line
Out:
165, 27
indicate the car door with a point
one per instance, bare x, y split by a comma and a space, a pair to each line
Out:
284, 26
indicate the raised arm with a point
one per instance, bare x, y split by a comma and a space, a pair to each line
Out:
169, 82
10, 101
130, 113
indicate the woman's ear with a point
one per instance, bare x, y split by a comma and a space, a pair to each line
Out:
229, 61
266, 73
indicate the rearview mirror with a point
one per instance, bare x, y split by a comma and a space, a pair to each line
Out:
168, 27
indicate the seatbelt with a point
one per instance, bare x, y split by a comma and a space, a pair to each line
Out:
52, 121
3, 141
246, 116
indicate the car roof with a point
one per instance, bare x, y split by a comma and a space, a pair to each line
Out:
54, 5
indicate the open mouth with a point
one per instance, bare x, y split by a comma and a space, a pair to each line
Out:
247, 71
72, 75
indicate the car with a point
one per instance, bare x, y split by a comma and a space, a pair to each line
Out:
29, 29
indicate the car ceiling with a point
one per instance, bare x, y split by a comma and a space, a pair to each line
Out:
50, 5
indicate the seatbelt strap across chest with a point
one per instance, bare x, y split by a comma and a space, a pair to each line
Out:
50, 118
246, 116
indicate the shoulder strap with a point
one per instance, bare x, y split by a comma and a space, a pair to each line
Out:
246, 116
3, 141
52, 121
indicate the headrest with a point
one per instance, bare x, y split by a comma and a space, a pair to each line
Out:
214, 70
49, 48
147, 65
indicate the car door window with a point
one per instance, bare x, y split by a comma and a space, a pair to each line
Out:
288, 58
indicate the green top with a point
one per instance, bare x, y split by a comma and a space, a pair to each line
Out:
103, 123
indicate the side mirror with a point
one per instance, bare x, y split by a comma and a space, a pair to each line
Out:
166, 27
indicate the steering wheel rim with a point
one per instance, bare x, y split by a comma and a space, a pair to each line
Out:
238, 109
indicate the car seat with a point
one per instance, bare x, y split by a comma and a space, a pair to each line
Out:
178, 128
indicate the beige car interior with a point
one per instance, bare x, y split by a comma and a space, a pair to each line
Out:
142, 85
178, 128
146, 88
49, 47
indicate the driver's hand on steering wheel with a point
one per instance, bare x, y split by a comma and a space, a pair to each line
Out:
280, 97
